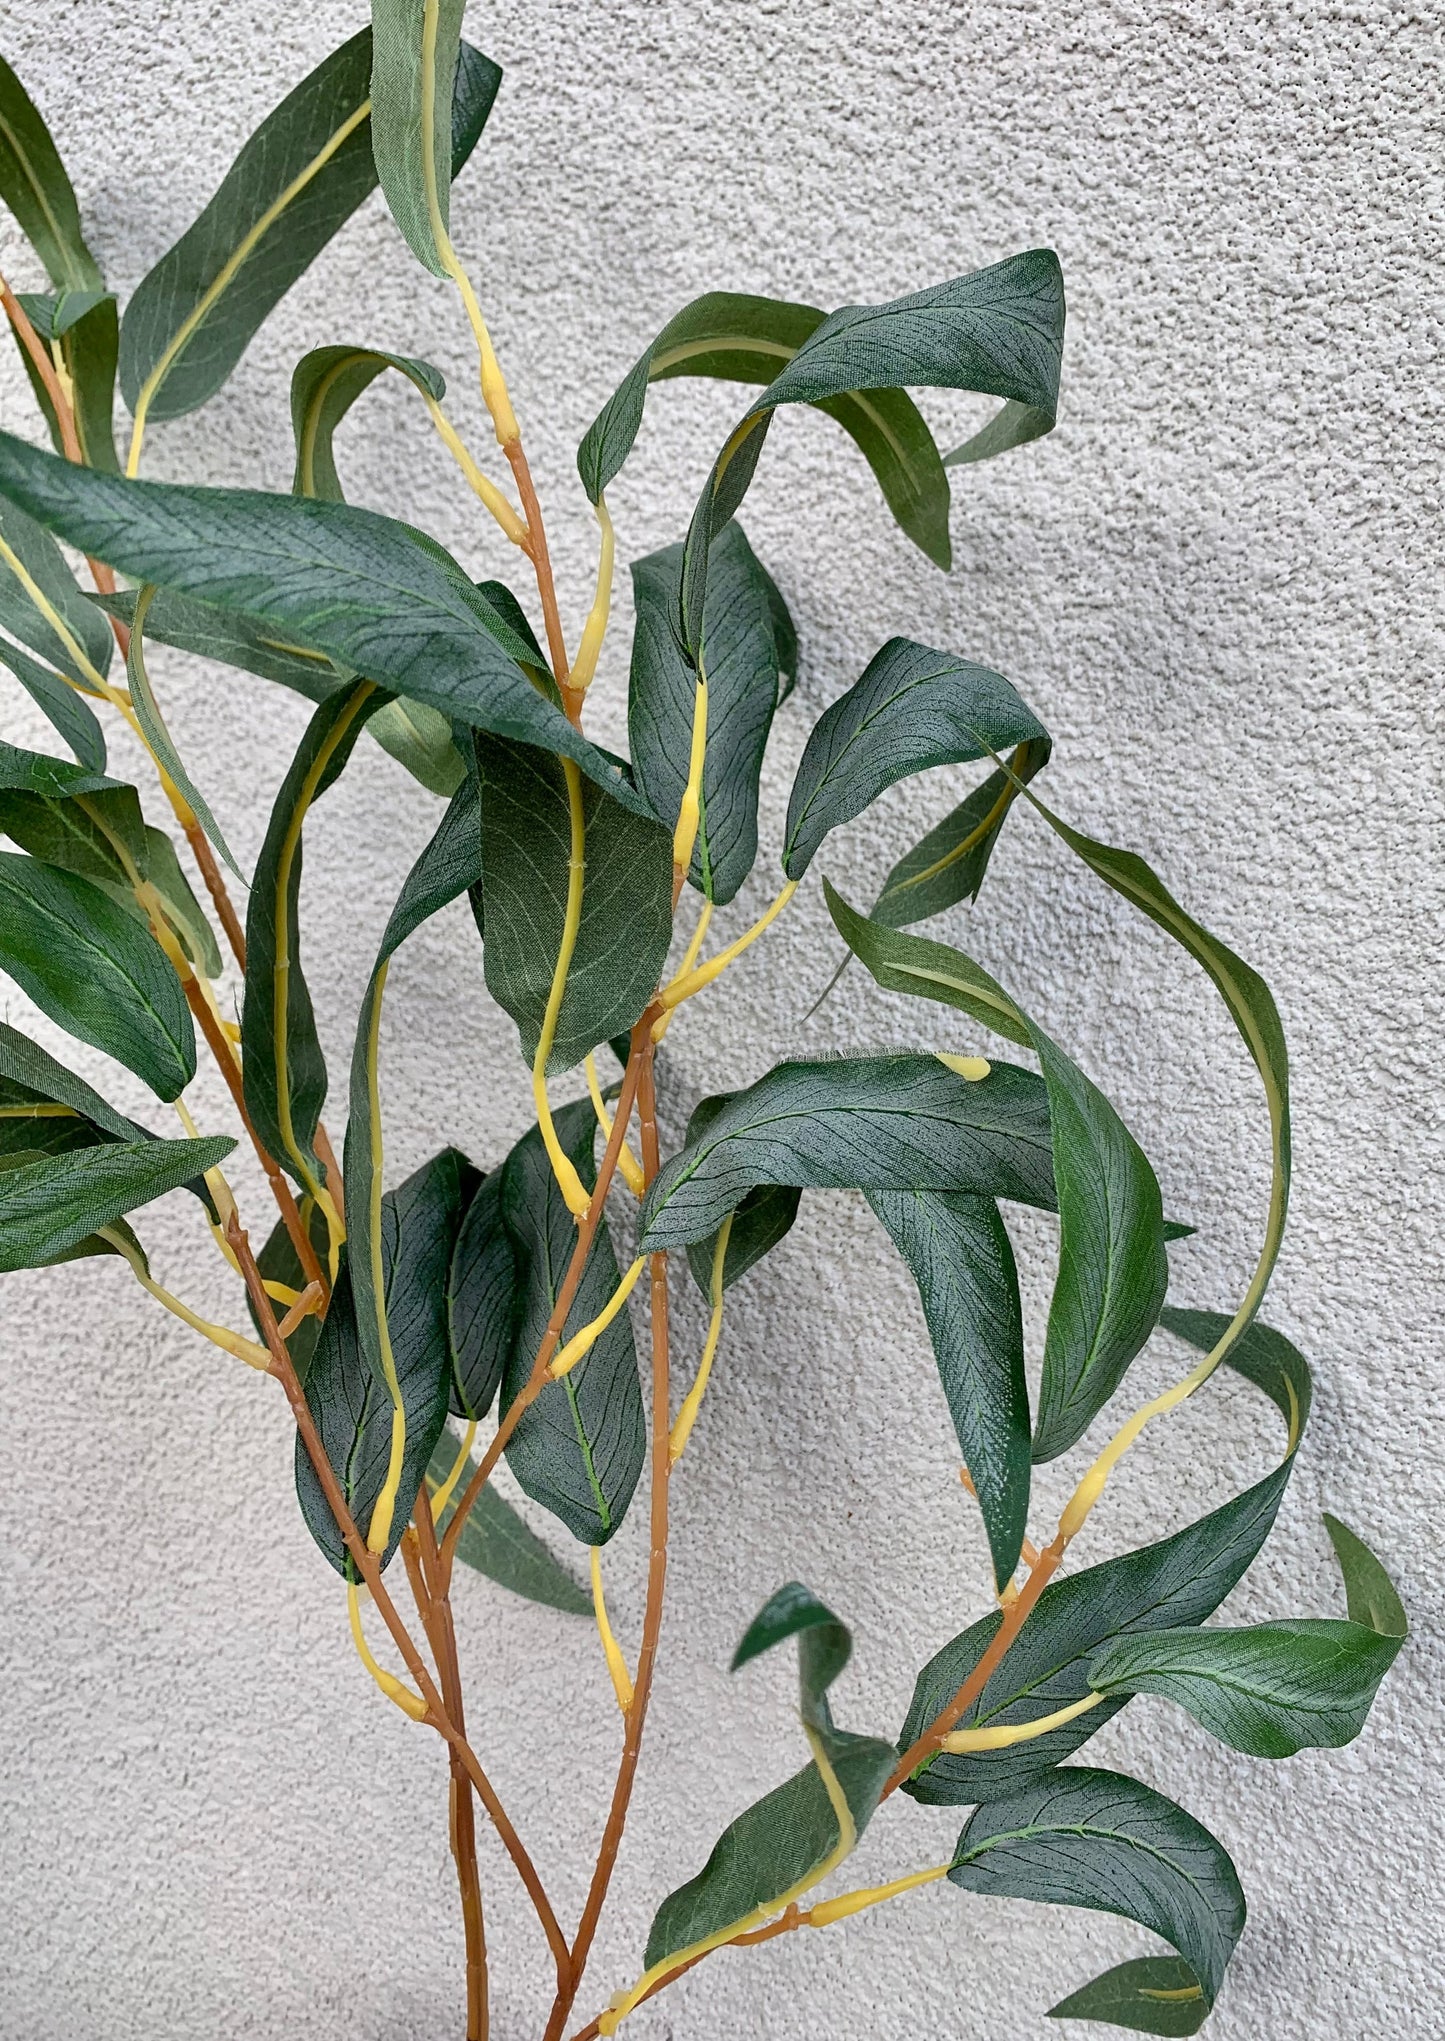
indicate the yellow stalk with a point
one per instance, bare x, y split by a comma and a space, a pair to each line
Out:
1004, 1737
683, 987
378, 1534
394, 1689
689, 814
582, 1342
55, 620
490, 496
829, 1910
627, 1162
216, 1184
220, 1336
568, 1181
974, 1068
38, 1112
440, 1497
692, 1403
689, 958
611, 1649
584, 666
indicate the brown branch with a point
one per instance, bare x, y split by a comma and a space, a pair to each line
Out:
542, 567
656, 1577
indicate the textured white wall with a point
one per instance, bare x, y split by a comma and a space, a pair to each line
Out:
1215, 584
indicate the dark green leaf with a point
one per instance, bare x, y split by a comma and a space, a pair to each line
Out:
72, 818
747, 340
1369, 1591
865, 1123
743, 677
58, 702
48, 1206
626, 925
85, 327
78, 1117
496, 1542
372, 595
96, 971
158, 736
765, 1216
948, 865
579, 1448
285, 1072
34, 185
1152, 1995
297, 180
913, 708
958, 1249
351, 1405
324, 386
481, 1302
413, 74
184, 911
73, 635
1099, 1840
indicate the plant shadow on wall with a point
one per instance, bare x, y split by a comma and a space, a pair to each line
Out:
404, 1323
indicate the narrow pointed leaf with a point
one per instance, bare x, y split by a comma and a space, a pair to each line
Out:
626, 925
949, 863
78, 1117
1369, 1591
765, 1216
61, 626
70, 716
372, 595
481, 1302
74, 819
913, 708
579, 1448
1102, 1841
747, 340
867, 1123
958, 1249
1151, 1995
298, 179
96, 971
33, 184
49, 1206
413, 68
85, 327
743, 679
496, 1542
324, 386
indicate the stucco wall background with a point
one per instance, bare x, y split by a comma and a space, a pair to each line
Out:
1218, 583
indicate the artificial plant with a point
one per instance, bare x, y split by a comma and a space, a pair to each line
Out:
484, 1299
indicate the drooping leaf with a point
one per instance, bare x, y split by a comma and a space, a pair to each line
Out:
747, 340
33, 184
1173, 1584
48, 1206
370, 594
958, 1248
352, 1407
789, 1839
70, 716
998, 331
743, 679
84, 326
481, 1302
96, 971
324, 385
496, 1542
284, 1069
40, 603
70, 817
1151, 1995
1369, 1591
949, 863
912, 708
626, 926
579, 1449
415, 50
298, 179
1112, 1270
765, 1216
1106, 1842
865, 1123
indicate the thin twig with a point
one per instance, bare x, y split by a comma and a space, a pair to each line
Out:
542, 568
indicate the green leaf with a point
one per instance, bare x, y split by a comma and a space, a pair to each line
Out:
351, 1405
74, 819
184, 911
279, 1262
1151, 1995
743, 677
949, 863
33, 184
579, 1449
765, 1216
40, 603
1112, 1267
96, 971
1173, 1584
912, 708
231, 637
958, 1249
413, 69
298, 179
85, 327
998, 331
49, 1206
420, 739
791, 1838
866, 1123
1369, 1591
324, 386
496, 1542
77, 1115
372, 595
284, 1069
1102, 1841
626, 925
747, 340
481, 1302
158, 736
59, 703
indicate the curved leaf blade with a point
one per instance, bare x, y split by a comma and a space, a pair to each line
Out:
481, 1302
949, 863
1152, 1995
34, 185
84, 327
62, 626
60, 704
415, 50
1369, 1591
50, 1205
324, 385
